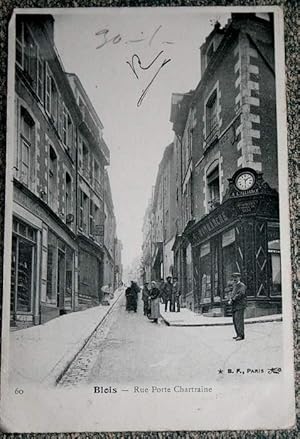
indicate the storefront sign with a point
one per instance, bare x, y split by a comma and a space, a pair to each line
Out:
210, 225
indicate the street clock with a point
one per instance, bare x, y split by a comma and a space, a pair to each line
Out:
245, 181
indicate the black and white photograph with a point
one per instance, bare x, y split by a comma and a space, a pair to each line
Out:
147, 281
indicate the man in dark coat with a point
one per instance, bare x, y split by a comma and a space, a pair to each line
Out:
239, 303
176, 293
167, 294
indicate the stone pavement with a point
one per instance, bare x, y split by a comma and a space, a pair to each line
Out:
42, 353
187, 317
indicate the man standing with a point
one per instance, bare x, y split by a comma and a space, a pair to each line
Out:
145, 298
167, 294
176, 292
239, 303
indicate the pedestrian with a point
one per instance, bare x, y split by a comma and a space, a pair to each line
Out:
131, 298
145, 298
238, 301
154, 302
167, 294
177, 293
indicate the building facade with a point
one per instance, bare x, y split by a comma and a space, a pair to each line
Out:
58, 201
226, 176
109, 234
93, 157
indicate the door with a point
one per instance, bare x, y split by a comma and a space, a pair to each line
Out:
61, 279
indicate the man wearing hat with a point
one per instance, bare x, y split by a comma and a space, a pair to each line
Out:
167, 293
239, 302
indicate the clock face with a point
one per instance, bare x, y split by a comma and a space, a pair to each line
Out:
245, 181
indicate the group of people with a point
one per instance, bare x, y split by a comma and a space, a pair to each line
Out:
169, 293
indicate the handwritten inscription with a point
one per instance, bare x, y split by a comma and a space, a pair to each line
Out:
136, 65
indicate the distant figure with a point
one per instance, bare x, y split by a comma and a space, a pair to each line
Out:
145, 298
154, 302
176, 292
238, 301
131, 298
167, 294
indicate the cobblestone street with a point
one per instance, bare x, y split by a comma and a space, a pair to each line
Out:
128, 349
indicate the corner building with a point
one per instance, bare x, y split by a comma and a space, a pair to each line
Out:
229, 133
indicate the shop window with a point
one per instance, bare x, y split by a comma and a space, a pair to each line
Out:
23, 267
68, 194
52, 179
189, 268
27, 143
215, 271
275, 267
52, 269
213, 189
228, 258
68, 302
205, 272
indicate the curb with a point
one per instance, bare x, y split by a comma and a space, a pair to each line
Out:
279, 319
84, 343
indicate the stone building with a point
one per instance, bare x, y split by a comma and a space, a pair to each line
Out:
58, 195
109, 235
93, 157
228, 133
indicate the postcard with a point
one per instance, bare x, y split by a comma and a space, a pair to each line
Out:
147, 272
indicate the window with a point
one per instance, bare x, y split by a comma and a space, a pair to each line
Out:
92, 220
85, 160
83, 212
40, 77
20, 42
52, 179
67, 128
26, 50
274, 260
48, 91
22, 267
68, 194
211, 115
228, 258
26, 140
213, 188
54, 102
205, 273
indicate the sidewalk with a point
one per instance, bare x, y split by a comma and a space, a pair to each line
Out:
187, 317
41, 354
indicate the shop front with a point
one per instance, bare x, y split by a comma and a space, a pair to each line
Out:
241, 234
90, 273
23, 273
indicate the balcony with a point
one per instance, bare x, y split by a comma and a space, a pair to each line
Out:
91, 130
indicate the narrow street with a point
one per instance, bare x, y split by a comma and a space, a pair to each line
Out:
128, 349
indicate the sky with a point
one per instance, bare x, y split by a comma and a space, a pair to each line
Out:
116, 53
